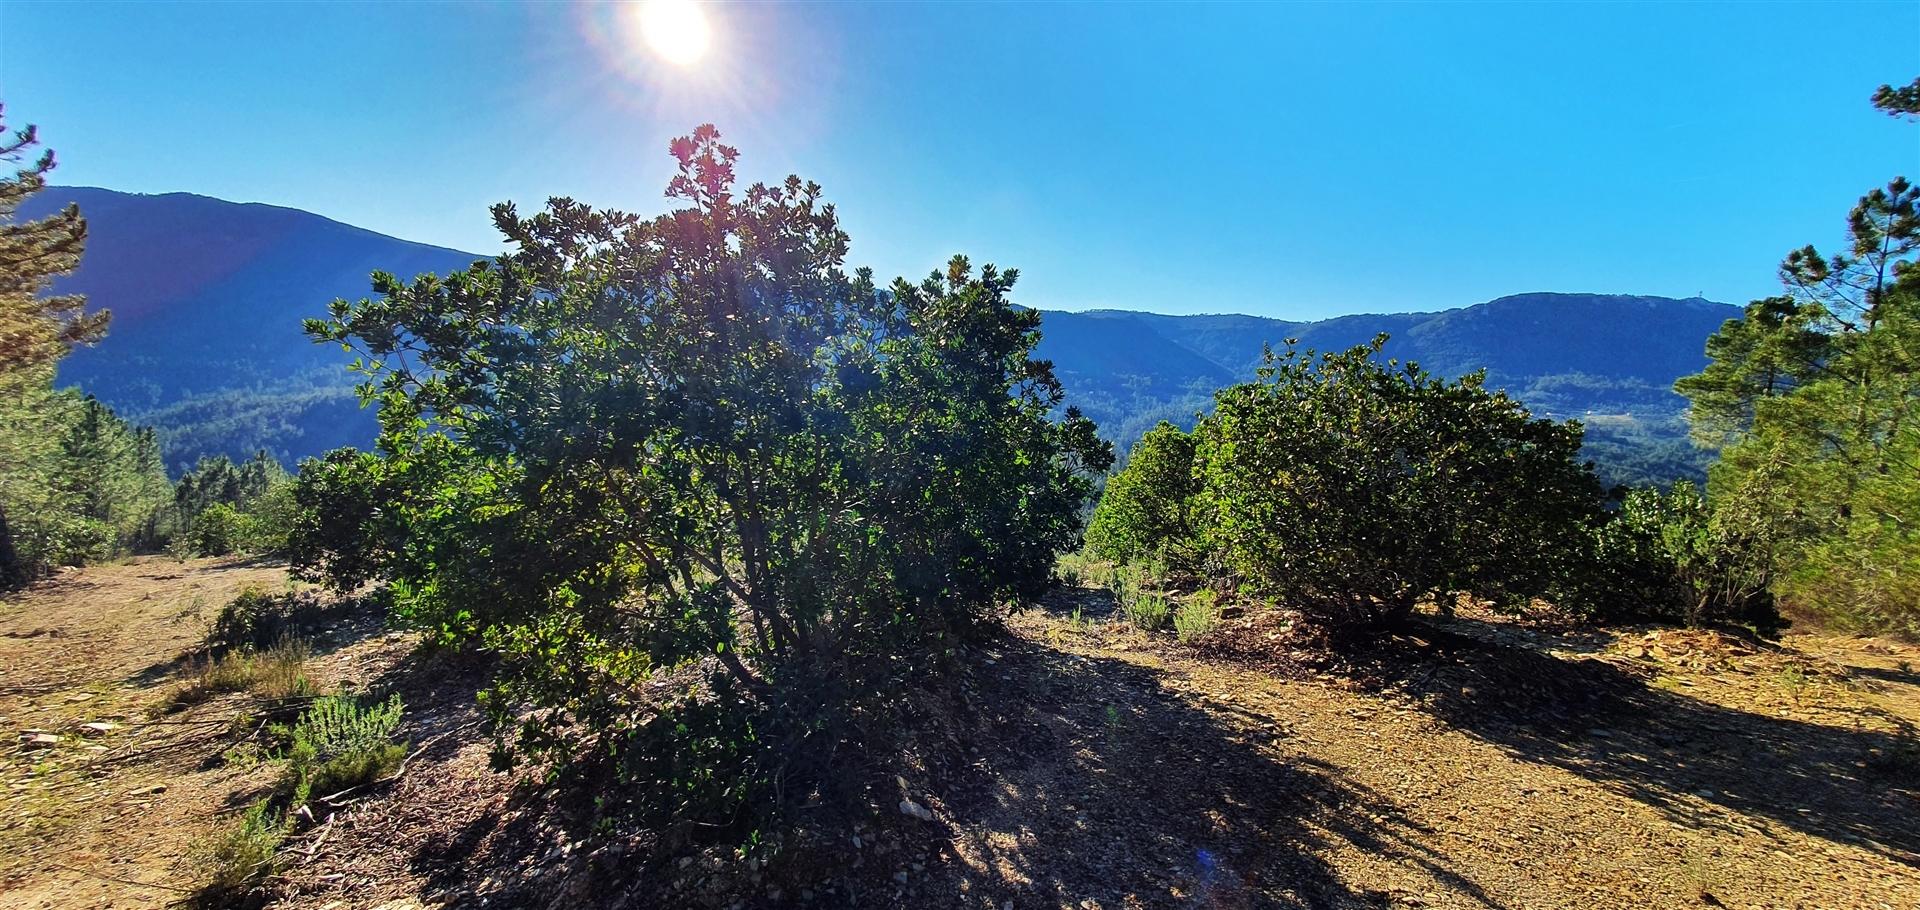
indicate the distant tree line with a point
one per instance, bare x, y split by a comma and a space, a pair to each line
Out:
1353, 490
79, 484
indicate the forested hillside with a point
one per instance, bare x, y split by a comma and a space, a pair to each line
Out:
1607, 359
208, 296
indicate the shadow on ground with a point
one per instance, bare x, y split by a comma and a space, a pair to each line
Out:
1691, 759
1097, 781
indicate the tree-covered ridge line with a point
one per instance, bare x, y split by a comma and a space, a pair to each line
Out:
209, 296
78, 482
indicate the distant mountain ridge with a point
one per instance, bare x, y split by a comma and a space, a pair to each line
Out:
208, 296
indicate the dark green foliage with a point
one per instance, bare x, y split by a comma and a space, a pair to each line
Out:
1146, 511
1899, 102
37, 328
78, 484
257, 619
696, 446
222, 508
1631, 452
216, 531
1352, 489
1668, 556
52, 443
1813, 396
236, 860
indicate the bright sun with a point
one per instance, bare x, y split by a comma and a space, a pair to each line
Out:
676, 29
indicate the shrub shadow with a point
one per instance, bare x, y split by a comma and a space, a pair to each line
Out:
1681, 755
1098, 781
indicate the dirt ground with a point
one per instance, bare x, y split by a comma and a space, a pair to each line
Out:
1484, 764
108, 816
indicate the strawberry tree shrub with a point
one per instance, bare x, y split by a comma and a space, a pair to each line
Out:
718, 503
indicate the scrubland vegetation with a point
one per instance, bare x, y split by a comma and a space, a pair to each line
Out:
732, 531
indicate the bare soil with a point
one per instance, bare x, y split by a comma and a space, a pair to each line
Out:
1472, 762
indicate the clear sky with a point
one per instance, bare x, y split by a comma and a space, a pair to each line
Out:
1294, 160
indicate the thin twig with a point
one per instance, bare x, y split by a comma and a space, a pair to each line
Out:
331, 800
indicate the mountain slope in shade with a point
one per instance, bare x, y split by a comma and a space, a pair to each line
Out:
208, 297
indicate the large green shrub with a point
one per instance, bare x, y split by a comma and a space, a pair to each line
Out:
1670, 556
697, 445
1351, 489
218, 531
1146, 510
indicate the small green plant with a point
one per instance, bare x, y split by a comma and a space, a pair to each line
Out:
1196, 616
339, 744
240, 856
1794, 680
1148, 611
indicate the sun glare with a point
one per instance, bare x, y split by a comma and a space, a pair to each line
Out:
676, 29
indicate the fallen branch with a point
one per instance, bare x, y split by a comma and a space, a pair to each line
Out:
335, 800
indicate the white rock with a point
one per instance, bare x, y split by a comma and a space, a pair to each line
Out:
909, 807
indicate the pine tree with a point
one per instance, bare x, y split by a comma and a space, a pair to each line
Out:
37, 329
1817, 392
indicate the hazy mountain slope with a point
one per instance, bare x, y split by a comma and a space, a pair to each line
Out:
208, 297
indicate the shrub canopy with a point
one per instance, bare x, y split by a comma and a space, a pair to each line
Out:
1146, 511
1352, 489
697, 443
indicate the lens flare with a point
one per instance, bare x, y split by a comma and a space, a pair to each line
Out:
677, 30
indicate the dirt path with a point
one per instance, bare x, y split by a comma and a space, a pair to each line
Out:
108, 816
1486, 765
1504, 773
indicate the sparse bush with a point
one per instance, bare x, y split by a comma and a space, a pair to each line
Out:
241, 856
338, 744
1673, 557
1077, 569
1196, 616
278, 672
1149, 612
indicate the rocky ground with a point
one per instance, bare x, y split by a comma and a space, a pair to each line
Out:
1474, 763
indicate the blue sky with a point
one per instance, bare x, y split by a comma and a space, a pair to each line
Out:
1293, 160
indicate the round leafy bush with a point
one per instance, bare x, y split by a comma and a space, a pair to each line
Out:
1352, 489
716, 501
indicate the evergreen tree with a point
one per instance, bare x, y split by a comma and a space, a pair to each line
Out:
36, 330
1815, 398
